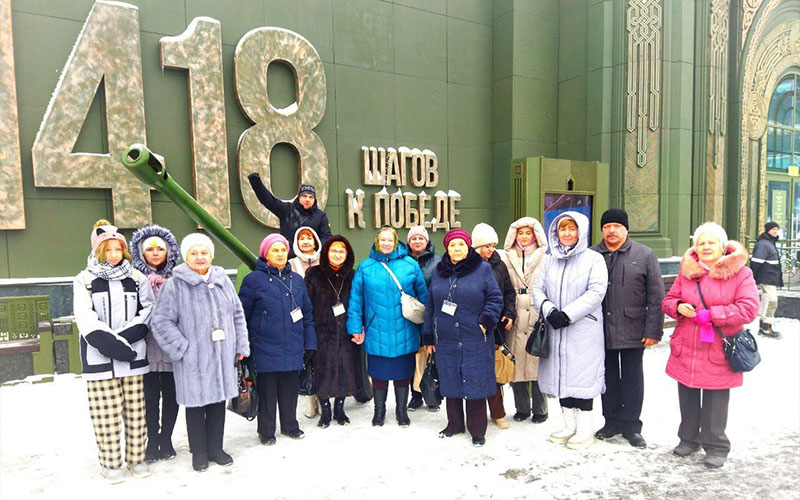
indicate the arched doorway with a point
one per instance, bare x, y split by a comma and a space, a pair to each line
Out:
783, 156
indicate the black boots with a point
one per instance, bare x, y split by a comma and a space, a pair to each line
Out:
151, 452
166, 450
401, 408
338, 412
325, 414
380, 407
416, 401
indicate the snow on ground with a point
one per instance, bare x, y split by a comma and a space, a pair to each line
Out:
47, 450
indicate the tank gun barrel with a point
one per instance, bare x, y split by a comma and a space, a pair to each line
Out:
149, 168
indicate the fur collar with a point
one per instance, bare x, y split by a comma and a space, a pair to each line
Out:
446, 268
727, 266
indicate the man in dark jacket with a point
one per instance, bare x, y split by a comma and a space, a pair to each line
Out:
632, 320
302, 211
766, 265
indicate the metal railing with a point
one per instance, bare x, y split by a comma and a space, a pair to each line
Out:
789, 254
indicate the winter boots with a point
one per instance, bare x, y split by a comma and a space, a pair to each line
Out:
584, 436
570, 424
380, 407
765, 330
401, 408
325, 414
416, 401
151, 453
338, 412
311, 407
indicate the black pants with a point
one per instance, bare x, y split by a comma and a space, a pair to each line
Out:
527, 395
581, 404
277, 390
205, 427
476, 415
160, 386
704, 416
622, 401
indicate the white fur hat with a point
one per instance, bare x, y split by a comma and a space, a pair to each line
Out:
195, 239
483, 234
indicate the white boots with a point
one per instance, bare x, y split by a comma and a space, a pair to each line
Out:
577, 432
568, 431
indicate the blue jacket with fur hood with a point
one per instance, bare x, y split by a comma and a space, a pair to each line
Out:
188, 310
159, 362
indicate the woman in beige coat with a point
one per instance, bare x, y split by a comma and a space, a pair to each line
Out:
524, 248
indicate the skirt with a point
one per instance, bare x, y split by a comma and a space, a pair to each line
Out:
398, 368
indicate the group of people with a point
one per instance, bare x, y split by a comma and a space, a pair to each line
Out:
156, 334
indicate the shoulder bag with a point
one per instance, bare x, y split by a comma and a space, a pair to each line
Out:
413, 309
246, 401
740, 349
429, 384
538, 343
503, 364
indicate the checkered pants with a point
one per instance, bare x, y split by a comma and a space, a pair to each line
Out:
110, 400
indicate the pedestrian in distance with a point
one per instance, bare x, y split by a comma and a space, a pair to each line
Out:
280, 323
569, 289
713, 272
766, 266
463, 308
155, 254
632, 320
484, 241
199, 323
112, 303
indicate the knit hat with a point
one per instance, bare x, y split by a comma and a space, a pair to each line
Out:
771, 225
307, 189
483, 234
270, 240
418, 231
457, 234
154, 241
196, 239
616, 215
104, 233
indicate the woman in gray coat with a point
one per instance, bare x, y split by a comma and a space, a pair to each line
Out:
569, 289
200, 325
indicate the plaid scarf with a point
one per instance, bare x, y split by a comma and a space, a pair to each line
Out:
106, 271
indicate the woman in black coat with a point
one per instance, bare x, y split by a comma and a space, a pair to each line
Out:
337, 354
484, 241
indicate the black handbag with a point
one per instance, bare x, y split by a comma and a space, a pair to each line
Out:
429, 384
741, 349
538, 344
246, 402
306, 380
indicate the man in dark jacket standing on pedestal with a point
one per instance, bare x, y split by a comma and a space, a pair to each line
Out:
302, 211
766, 266
632, 320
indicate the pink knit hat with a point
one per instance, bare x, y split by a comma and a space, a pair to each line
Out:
106, 232
457, 234
269, 241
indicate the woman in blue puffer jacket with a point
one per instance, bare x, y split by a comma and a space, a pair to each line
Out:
375, 317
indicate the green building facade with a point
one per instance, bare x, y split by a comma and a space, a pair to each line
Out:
691, 103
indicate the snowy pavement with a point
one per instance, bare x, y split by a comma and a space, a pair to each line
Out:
47, 450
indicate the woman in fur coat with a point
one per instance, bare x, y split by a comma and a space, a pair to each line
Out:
112, 303
715, 267
200, 325
337, 354
155, 253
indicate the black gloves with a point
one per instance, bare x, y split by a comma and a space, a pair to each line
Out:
254, 175
109, 345
308, 355
134, 333
558, 319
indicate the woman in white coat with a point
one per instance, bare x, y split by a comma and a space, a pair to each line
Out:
524, 248
569, 289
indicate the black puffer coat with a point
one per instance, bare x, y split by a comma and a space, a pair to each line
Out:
500, 272
291, 214
765, 261
337, 356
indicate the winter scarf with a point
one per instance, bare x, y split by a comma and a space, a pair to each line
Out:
106, 271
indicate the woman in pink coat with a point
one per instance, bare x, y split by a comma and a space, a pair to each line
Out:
717, 267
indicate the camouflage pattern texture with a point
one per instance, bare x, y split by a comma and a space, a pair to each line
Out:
107, 50
199, 49
292, 125
12, 204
